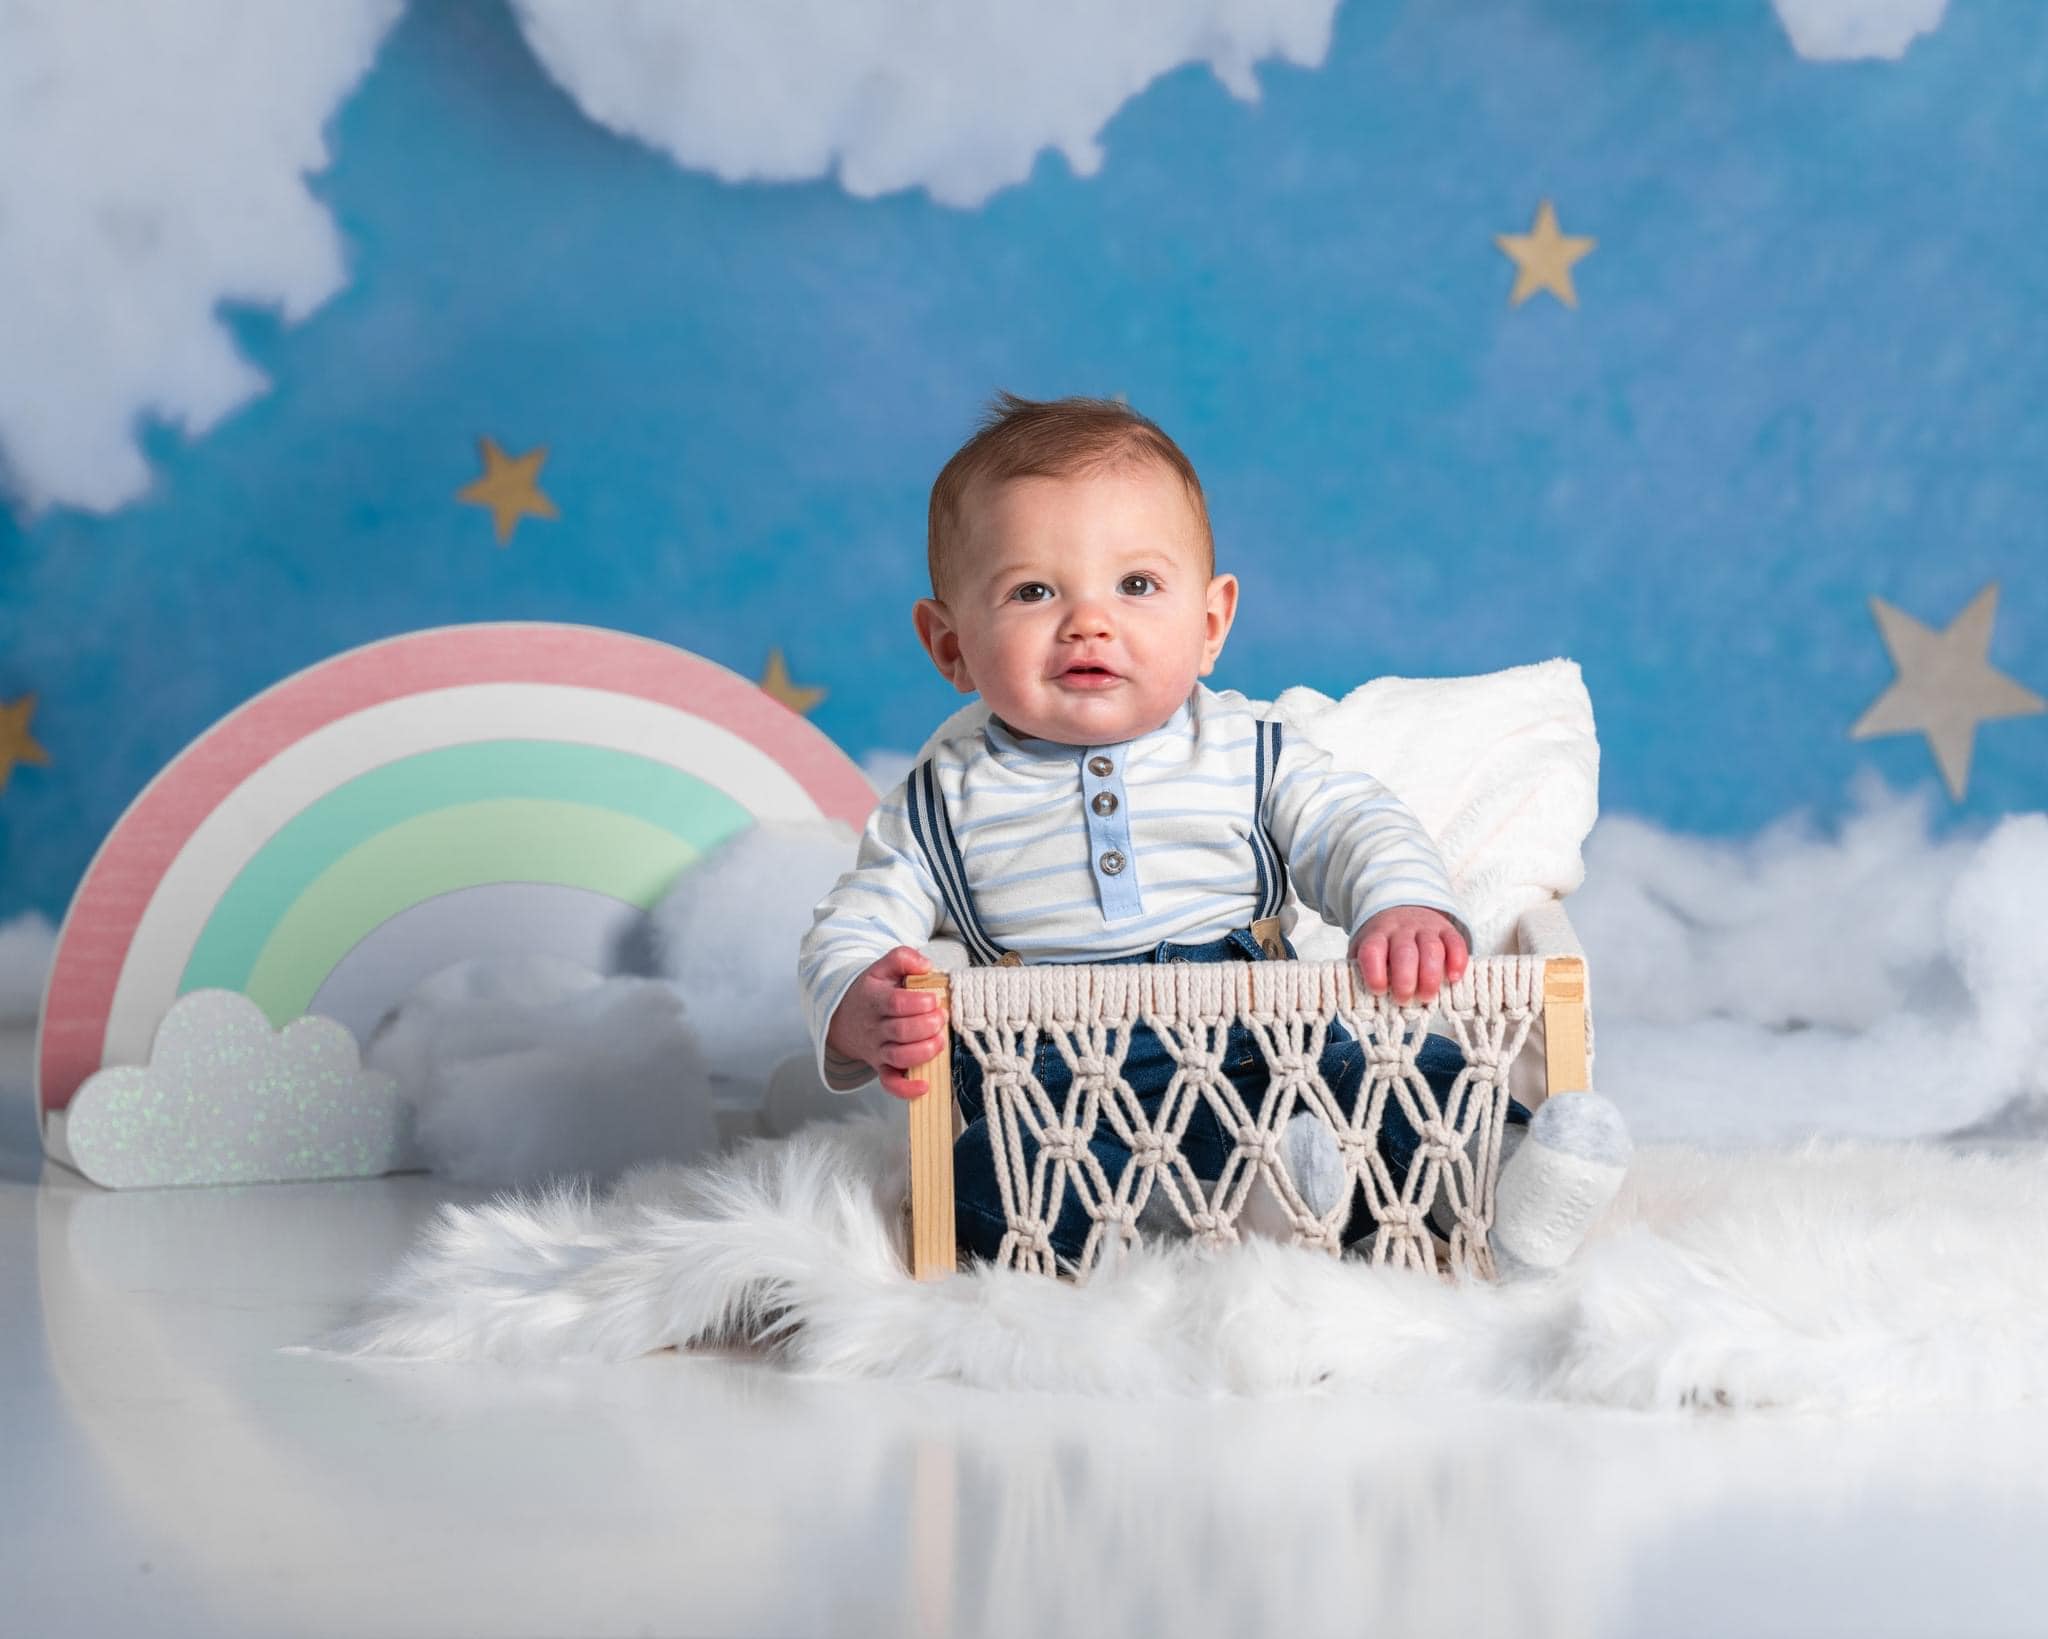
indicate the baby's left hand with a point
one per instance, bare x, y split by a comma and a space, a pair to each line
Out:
1412, 948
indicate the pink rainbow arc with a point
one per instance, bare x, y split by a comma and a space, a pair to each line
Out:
131, 862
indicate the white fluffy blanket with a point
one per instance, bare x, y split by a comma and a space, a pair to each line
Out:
1833, 1277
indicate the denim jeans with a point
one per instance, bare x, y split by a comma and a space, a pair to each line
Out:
1148, 1067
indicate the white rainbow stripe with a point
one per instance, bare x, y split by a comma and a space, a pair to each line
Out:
379, 810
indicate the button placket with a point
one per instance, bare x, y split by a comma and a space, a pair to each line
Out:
1105, 813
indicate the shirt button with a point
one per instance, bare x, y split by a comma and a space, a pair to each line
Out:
1104, 803
1111, 862
1101, 767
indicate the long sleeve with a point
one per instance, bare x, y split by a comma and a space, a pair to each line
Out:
1352, 847
887, 899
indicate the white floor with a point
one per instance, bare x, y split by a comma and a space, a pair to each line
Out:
169, 1470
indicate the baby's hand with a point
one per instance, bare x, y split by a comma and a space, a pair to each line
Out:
1414, 947
886, 1027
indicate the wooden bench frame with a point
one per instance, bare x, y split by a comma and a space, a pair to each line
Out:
1546, 932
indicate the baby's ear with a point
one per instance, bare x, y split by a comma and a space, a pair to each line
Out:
1220, 609
935, 631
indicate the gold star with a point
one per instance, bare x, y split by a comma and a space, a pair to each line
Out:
510, 487
798, 697
17, 745
1543, 258
1946, 685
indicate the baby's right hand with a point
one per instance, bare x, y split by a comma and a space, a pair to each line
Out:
886, 1027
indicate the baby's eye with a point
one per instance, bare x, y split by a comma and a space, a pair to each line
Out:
1137, 586
1032, 591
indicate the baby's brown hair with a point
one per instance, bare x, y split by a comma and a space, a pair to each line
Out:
1048, 438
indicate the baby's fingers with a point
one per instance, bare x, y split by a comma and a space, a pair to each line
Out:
909, 1055
896, 1082
910, 1003
1372, 962
924, 1027
1429, 966
899, 963
1402, 962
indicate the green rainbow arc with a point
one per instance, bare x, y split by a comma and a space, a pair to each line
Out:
461, 816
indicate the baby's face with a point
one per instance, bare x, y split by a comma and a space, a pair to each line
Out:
1081, 608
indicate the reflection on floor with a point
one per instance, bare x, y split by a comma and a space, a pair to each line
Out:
171, 1470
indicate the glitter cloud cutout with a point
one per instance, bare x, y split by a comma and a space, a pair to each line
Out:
225, 1099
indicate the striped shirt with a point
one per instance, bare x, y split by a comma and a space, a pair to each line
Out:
1087, 853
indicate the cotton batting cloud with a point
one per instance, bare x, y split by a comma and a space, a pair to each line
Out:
528, 1068
27, 942
153, 164
892, 94
1846, 30
1878, 982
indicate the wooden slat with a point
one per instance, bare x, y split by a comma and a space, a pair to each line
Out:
932, 1254
1564, 1026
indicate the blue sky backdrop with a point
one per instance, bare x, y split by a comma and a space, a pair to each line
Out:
1806, 369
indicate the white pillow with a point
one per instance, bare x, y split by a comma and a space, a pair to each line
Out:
1503, 769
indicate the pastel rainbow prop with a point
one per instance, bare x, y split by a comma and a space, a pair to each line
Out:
463, 791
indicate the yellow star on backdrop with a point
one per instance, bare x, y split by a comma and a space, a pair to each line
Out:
1946, 685
510, 487
17, 745
800, 698
1543, 258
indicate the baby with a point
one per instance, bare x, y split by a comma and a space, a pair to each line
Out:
1112, 808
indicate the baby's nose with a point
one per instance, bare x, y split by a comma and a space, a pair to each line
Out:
1087, 617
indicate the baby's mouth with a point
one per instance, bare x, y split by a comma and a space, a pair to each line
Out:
1088, 673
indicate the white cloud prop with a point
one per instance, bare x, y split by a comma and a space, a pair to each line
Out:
1880, 982
1845, 30
526, 1067
225, 1099
532, 1067
726, 937
153, 163
27, 942
890, 94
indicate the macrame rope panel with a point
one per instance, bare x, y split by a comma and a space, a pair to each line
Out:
1000, 1015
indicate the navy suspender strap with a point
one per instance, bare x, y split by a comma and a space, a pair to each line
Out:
933, 827
1272, 866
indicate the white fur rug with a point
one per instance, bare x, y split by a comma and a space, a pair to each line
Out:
1836, 1276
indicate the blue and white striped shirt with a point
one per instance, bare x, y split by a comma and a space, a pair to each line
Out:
1085, 853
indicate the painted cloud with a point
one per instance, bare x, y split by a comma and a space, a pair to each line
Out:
225, 1099
1842, 30
889, 94
153, 162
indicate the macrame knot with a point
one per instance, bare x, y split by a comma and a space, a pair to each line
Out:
1404, 1219
1007, 1075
